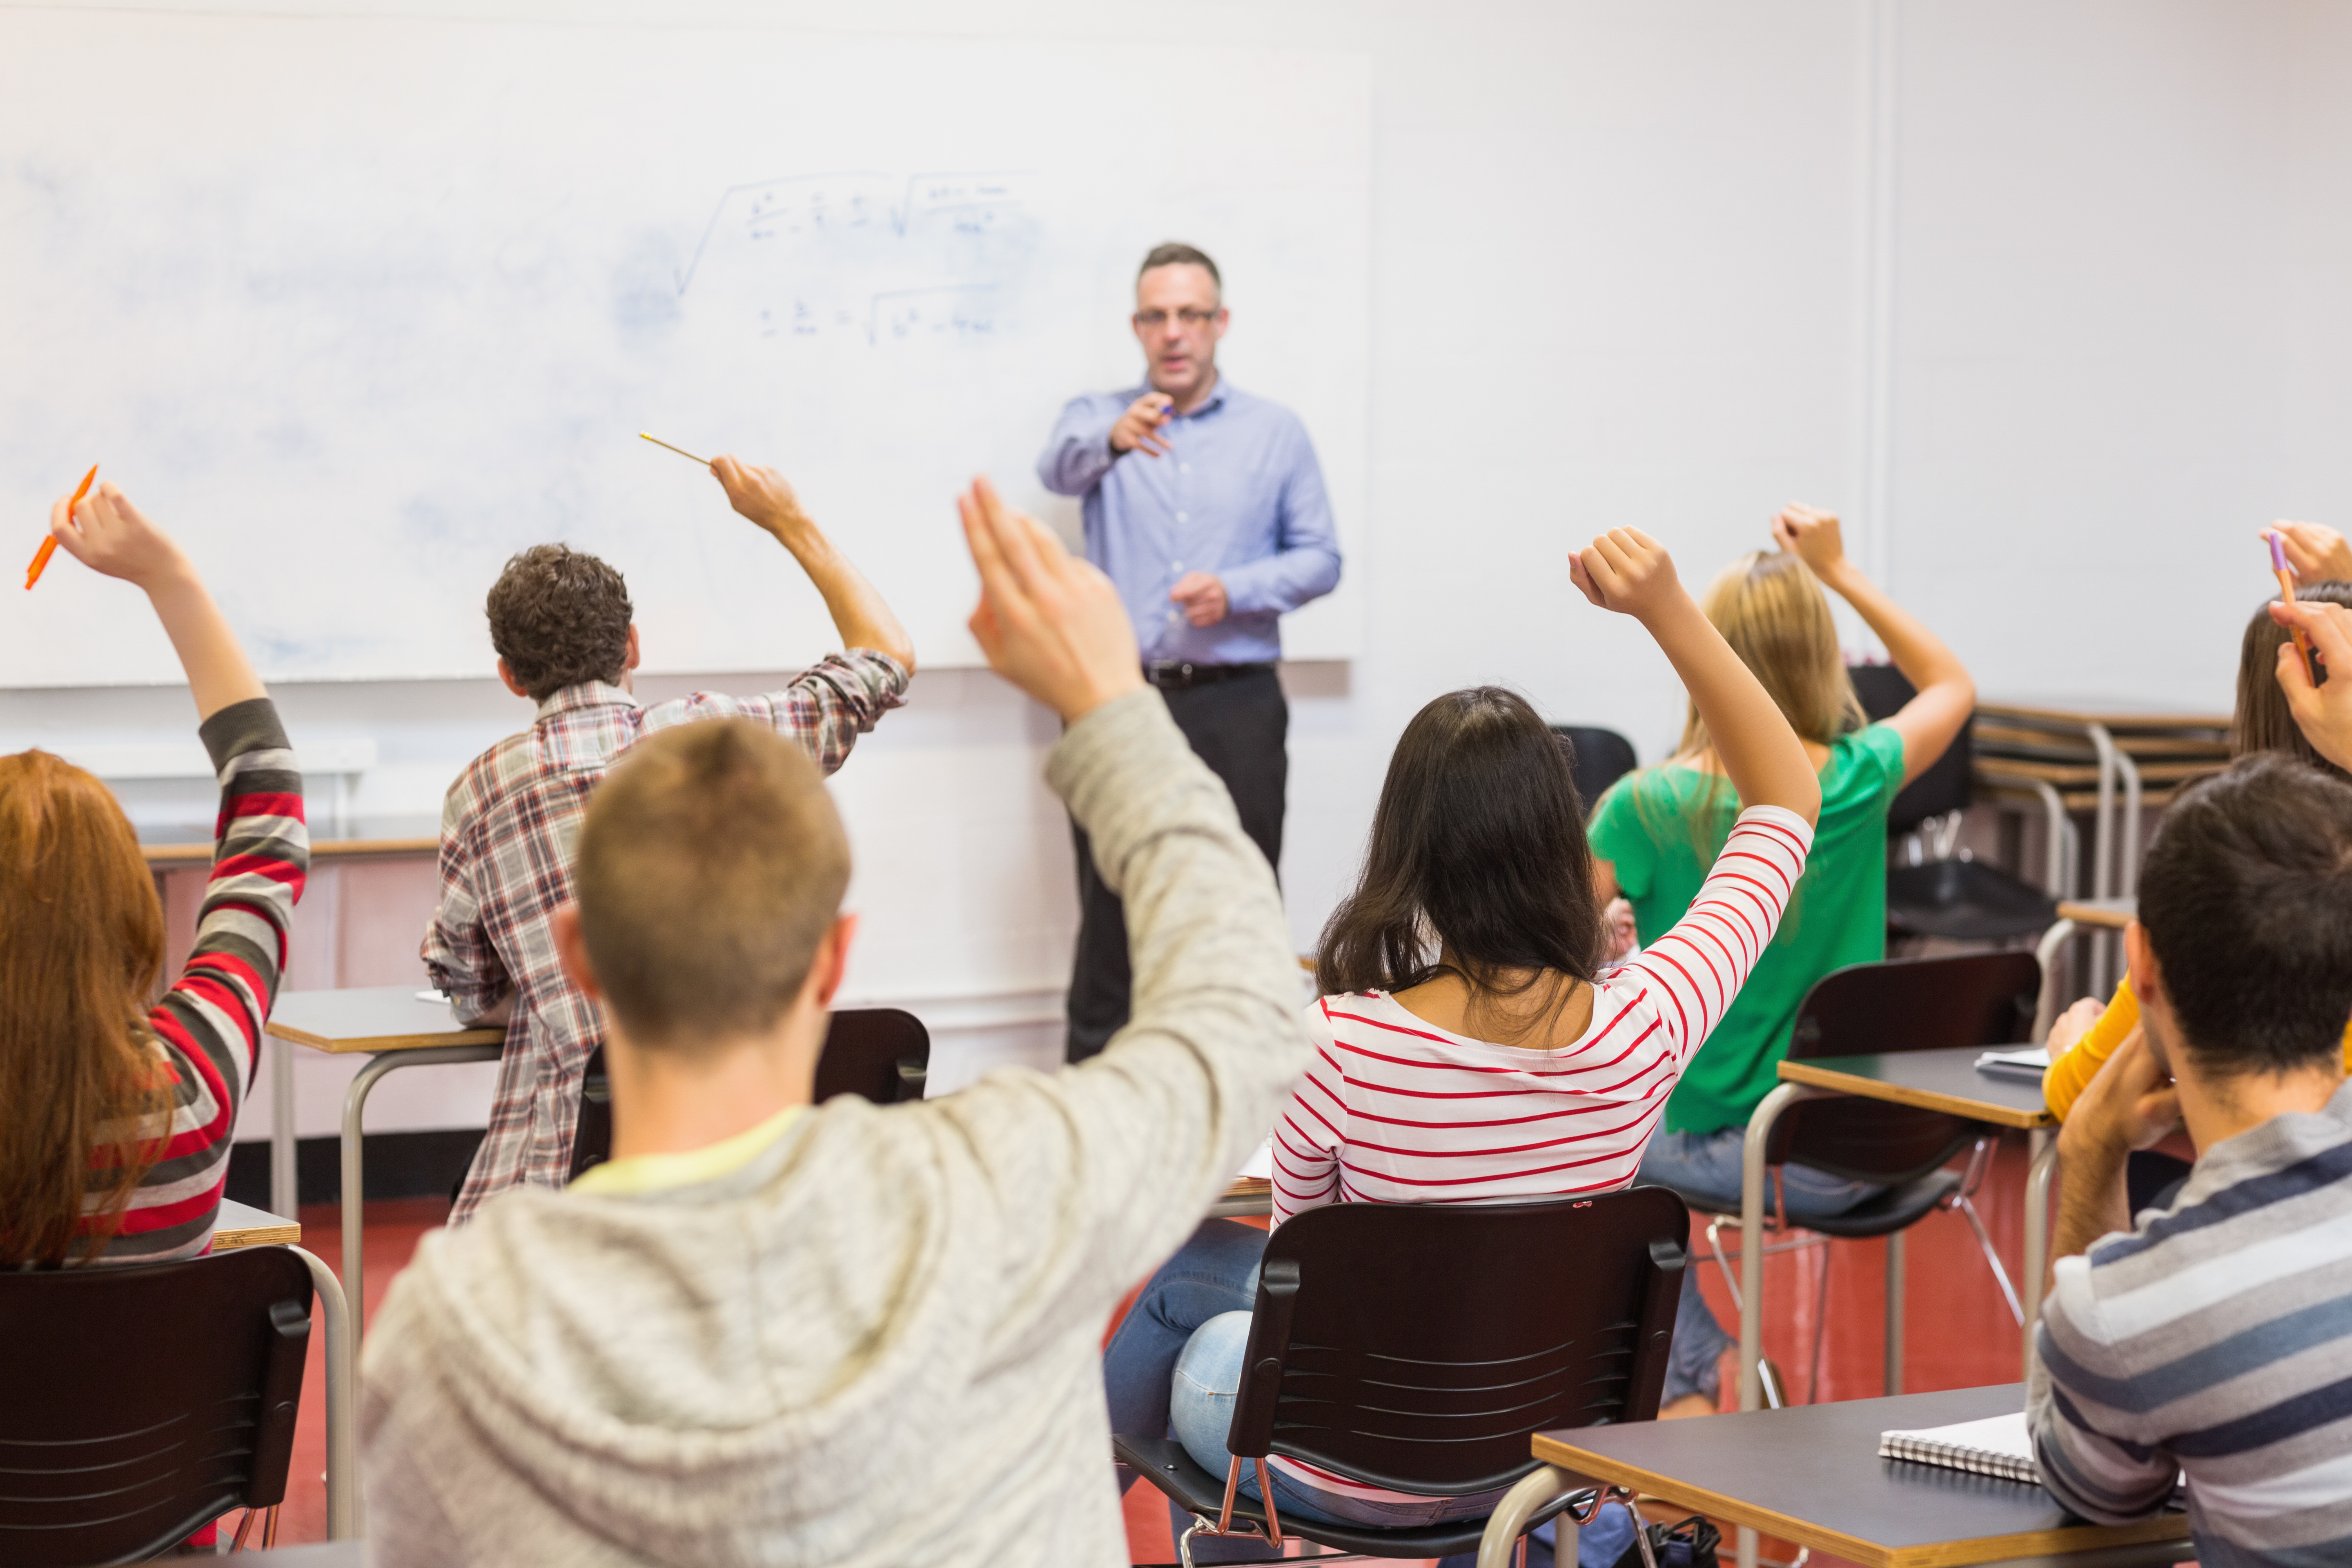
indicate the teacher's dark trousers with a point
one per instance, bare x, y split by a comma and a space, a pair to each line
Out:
1240, 726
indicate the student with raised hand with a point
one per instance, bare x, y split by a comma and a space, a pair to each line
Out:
2210, 1336
1507, 1063
773, 1332
562, 623
1657, 831
2266, 721
116, 1110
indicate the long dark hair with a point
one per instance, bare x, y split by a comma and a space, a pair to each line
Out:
1478, 849
2263, 722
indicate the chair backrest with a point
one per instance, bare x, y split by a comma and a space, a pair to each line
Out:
1879, 1009
1945, 786
1418, 1346
139, 1403
881, 1054
1597, 758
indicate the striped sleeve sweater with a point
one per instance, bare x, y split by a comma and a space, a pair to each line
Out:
2214, 1341
1394, 1109
207, 1027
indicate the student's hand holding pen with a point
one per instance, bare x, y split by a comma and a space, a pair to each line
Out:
2316, 552
2323, 711
1050, 624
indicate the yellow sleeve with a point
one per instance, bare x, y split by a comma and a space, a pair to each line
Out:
2073, 1073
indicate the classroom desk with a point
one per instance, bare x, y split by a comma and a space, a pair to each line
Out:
1945, 1080
1812, 1475
325, 1554
242, 1225
396, 1029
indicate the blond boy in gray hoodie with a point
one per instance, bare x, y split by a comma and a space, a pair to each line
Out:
773, 1332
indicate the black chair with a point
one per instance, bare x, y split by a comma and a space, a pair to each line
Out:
1945, 895
1419, 1347
139, 1403
1879, 1009
880, 1054
1597, 758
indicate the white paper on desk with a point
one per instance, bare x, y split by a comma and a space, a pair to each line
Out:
429, 994
2029, 1063
1260, 1165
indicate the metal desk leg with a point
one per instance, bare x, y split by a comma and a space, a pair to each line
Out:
2047, 955
285, 1180
2044, 1147
354, 1177
342, 1445
2103, 850
1535, 1491
1751, 1260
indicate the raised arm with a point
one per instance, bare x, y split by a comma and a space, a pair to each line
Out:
1932, 720
2324, 713
1626, 570
109, 535
1104, 1168
858, 613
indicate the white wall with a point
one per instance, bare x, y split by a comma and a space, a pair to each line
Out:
1621, 273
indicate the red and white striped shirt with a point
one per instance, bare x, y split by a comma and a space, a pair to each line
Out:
1395, 1109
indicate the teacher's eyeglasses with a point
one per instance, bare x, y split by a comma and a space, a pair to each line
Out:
1192, 319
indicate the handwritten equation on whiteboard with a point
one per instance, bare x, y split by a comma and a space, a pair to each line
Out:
884, 257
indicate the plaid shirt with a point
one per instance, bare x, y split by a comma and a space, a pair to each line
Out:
506, 833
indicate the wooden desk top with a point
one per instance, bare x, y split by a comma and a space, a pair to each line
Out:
242, 1225
189, 845
2113, 712
1811, 1473
372, 1019
1945, 1080
2107, 914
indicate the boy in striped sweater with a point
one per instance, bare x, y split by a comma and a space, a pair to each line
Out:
2215, 1337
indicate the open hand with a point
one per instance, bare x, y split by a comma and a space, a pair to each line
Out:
1139, 429
2316, 551
763, 495
1812, 536
1050, 624
2128, 1104
1627, 571
1202, 597
109, 535
2324, 713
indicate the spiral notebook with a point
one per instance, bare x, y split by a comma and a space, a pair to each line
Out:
1998, 1445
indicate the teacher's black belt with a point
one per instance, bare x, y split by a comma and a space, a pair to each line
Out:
1174, 675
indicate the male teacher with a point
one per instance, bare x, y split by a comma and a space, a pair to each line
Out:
1206, 505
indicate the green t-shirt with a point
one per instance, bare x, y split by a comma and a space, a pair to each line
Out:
1661, 829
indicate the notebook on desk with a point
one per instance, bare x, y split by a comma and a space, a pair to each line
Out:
1997, 1446
2029, 1063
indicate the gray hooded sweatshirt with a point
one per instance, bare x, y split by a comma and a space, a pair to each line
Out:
879, 1341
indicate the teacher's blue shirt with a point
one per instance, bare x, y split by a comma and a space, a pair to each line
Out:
1240, 495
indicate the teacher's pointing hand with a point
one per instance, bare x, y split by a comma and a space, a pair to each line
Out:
1139, 429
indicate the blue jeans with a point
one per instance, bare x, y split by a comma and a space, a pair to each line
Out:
1706, 1166
1175, 1363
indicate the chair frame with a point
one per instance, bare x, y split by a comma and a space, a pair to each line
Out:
1251, 1437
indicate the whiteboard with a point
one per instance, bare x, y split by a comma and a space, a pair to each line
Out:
360, 306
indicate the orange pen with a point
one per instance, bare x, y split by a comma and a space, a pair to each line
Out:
2286, 596
50, 545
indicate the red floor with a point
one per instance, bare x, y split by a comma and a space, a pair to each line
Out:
1958, 1332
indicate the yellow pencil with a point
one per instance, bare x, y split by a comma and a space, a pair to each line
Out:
679, 450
